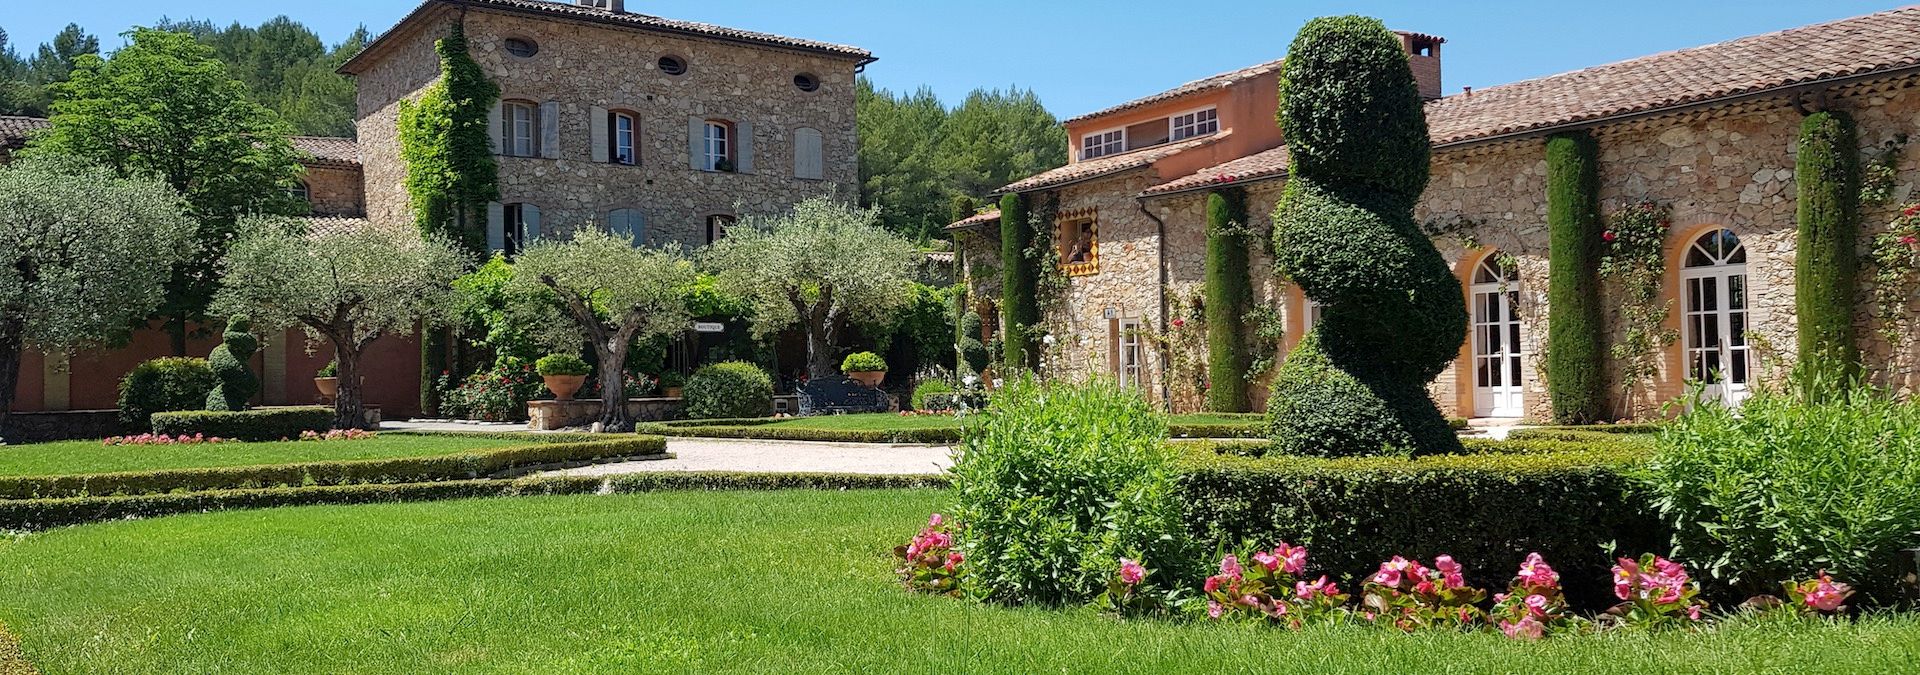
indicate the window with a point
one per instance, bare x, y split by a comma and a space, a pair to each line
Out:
628, 224
1103, 144
1196, 124
519, 129
808, 161
717, 227
807, 82
522, 47
520, 226
1315, 312
300, 191
623, 138
1079, 242
673, 65
1129, 365
718, 146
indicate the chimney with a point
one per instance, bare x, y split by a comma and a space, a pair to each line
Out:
1423, 53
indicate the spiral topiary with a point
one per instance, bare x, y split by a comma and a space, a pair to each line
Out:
229, 361
1344, 232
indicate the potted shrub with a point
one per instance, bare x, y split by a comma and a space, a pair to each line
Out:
563, 373
672, 384
867, 368
328, 381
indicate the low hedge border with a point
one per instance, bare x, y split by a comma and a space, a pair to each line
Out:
1533, 443
12, 660
756, 429
457, 466
260, 424
1569, 502
40, 514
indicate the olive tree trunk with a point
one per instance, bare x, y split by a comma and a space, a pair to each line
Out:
612, 352
348, 410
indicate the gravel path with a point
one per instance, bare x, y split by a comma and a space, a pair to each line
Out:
699, 454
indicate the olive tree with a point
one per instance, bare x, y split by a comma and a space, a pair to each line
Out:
347, 285
83, 254
602, 290
819, 265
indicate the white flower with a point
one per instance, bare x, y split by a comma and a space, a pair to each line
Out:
969, 380
998, 383
1048, 339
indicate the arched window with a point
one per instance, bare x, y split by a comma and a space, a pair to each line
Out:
520, 129
300, 191
717, 146
1498, 350
623, 137
1492, 271
1714, 316
1719, 247
717, 226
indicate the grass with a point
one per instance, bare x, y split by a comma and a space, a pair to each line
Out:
694, 582
86, 457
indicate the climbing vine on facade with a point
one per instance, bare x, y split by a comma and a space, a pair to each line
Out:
1633, 264
451, 172
1896, 276
1880, 173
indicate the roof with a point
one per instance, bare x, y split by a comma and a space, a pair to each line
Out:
1202, 85
326, 150
1865, 45
1268, 164
981, 218
14, 130
1109, 165
561, 10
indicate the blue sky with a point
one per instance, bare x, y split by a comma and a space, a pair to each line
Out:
1082, 55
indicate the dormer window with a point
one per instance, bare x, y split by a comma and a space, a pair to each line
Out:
1103, 144
1196, 124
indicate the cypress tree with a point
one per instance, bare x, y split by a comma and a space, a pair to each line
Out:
1229, 290
1576, 379
1827, 172
1019, 307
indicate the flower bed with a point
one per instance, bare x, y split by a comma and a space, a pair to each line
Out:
263, 424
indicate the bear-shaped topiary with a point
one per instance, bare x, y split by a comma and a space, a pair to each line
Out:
229, 361
1344, 231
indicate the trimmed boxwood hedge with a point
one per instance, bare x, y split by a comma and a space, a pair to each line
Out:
264, 424
1568, 501
38, 514
464, 465
757, 428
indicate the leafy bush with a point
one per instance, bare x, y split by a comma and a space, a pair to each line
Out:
1056, 482
265, 424
561, 365
332, 369
499, 394
928, 388
229, 363
863, 362
164, 385
959, 401
1786, 487
1486, 510
728, 390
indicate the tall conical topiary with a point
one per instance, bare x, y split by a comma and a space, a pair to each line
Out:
1344, 232
229, 362
1827, 171
1576, 351
1229, 293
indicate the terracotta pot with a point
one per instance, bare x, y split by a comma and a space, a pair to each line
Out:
564, 386
868, 378
674, 392
329, 387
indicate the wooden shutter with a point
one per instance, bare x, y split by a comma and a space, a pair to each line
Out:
599, 133
530, 218
496, 126
496, 226
743, 151
696, 143
550, 130
807, 161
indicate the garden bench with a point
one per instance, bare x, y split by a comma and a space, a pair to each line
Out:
835, 396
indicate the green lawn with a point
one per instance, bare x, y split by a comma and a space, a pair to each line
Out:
693, 582
894, 421
78, 457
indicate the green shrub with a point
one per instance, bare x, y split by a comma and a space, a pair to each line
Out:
1344, 232
264, 424
1576, 382
1827, 174
1229, 295
731, 389
164, 385
561, 365
1486, 510
237, 384
1019, 286
1788, 487
1055, 482
863, 362
928, 388
332, 369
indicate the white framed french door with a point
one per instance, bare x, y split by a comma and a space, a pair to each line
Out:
1715, 318
1498, 351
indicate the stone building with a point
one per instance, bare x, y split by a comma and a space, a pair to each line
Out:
1709, 132
668, 130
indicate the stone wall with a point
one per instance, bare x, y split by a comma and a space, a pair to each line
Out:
581, 67
335, 191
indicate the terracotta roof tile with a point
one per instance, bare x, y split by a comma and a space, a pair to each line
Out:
1268, 164
1095, 168
328, 150
1867, 44
1220, 81
14, 130
982, 218
633, 20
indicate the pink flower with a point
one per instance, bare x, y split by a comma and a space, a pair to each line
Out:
1131, 573
1179, 323
1693, 612
1535, 573
1267, 560
1213, 583
1908, 240
1230, 566
1828, 596
1425, 587
1609, 236
935, 520
1446, 565
1536, 605
1250, 601
953, 560
1320, 588
1214, 609
1295, 557
1393, 571
1526, 628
